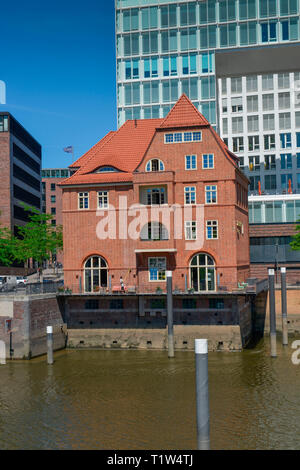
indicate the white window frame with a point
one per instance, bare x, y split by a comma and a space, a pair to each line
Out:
158, 270
191, 160
208, 155
189, 190
81, 198
183, 140
209, 190
214, 224
190, 230
101, 195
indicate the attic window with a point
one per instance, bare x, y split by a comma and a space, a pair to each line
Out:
107, 169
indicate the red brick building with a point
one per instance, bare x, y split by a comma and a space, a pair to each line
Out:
180, 174
52, 198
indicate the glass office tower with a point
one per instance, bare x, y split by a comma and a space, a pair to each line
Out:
237, 60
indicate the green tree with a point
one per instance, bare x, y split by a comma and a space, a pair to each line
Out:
38, 239
295, 244
6, 247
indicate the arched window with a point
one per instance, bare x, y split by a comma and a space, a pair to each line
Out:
95, 274
155, 165
203, 273
154, 231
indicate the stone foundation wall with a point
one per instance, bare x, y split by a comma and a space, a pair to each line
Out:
220, 338
30, 315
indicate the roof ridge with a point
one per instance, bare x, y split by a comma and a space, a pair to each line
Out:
171, 118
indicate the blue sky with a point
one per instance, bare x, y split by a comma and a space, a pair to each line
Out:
58, 62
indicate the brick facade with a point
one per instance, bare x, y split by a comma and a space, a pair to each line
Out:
129, 150
48, 204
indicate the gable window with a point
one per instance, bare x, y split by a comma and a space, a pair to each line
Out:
207, 161
157, 269
211, 194
155, 165
103, 200
190, 195
83, 200
191, 162
180, 137
191, 230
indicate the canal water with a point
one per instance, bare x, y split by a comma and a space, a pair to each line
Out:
142, 400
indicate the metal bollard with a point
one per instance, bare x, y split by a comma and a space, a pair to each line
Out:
285, 338
170, 315
50, 345
202, 394
272, 313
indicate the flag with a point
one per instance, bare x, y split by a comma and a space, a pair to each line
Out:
69, 149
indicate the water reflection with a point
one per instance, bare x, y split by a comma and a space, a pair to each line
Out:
143, 400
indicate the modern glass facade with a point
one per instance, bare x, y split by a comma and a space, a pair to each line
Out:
166, 48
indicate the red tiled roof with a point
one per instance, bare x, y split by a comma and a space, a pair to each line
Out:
184, 114
91, 152
124, 149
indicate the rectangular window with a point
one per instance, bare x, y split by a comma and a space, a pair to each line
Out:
286, 181
251, 83
83, 200
284, 101
270, 182
180, 137
270, 162
236, 85
268, 102
191, 162
254, 180
286, 140
212, 229
286, 161
237, 125
269, 141
191, 230
211, 194
157, 269
207, 161
254, 164
267, 82
53, 199
283, 80
252, 104
238, 144
269, 122
284, 120
190, 195
116, 304
253, 143
237, 105
253, 123
189, 304
156, 196
103, 200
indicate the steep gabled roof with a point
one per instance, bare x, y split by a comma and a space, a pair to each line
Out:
124, 149
91, 152
184, 114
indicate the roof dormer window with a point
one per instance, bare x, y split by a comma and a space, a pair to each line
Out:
107, 169
155, 165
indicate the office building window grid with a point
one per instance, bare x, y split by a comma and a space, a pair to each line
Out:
268, 123
178, 40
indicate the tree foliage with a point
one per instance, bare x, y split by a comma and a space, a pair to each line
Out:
295, 244
37, 240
